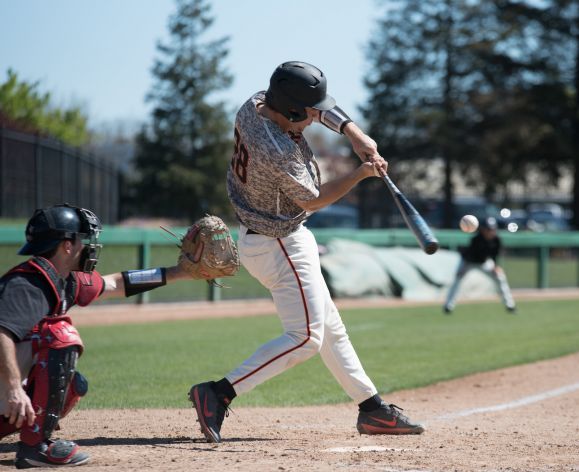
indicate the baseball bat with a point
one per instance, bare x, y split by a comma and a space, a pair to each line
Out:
412, 218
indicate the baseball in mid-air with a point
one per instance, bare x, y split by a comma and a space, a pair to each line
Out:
469, 223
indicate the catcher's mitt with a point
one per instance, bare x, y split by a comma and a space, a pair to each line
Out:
208, 251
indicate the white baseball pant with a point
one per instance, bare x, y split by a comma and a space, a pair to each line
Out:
290, 269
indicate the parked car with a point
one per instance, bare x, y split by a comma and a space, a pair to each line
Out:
433, 211
547, 217
513, 220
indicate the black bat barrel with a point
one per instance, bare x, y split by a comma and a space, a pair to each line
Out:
413, 219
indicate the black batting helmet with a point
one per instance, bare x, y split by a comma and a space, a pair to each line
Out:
296, 85
49, 226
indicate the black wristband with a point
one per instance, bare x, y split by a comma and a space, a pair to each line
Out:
139, 281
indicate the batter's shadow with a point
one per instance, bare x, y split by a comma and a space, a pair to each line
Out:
8, 447
160, 441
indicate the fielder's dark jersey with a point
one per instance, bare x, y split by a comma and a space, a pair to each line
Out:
269, 170
481, 249
26, 298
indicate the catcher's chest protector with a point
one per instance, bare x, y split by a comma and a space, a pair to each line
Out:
55, 330
67, 292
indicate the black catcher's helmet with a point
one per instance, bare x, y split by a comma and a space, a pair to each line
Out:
49, 226
296, 85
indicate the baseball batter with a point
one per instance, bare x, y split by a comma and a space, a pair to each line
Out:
274, 184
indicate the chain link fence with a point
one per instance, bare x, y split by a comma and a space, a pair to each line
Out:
36, 172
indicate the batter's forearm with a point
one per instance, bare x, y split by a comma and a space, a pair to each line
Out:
353, 132
331, 192
364, 146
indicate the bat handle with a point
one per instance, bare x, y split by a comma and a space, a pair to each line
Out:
380, 171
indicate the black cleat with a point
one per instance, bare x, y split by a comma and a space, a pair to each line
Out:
386, 419
210, 410
50, 454
446, 310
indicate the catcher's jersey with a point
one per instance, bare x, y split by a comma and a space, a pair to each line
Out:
269, 170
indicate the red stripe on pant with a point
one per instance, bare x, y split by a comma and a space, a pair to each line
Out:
306, 313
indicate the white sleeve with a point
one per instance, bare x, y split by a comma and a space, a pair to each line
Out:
335, 119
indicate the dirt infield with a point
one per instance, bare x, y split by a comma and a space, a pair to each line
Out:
520, 419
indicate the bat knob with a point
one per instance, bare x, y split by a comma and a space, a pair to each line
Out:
431, 247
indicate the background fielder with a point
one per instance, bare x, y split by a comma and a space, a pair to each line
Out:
274, 183
482, 253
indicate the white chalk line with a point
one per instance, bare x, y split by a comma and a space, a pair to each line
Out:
513, 404
462, 413
366, 449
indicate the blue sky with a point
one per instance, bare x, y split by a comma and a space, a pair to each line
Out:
99, 53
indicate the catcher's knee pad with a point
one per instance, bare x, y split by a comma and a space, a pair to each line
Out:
48, 386
77, 389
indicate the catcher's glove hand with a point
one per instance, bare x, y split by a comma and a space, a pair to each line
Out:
208, 251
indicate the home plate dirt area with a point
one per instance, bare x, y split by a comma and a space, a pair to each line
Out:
523, 418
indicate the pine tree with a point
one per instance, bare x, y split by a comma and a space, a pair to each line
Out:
490, 87
552, 27
526, 115
419, 79
182, 157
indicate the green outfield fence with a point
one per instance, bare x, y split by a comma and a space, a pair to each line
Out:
531, 259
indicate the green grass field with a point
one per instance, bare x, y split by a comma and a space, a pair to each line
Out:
154, 365
522, 271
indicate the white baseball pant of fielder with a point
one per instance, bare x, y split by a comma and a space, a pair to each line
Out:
488, 267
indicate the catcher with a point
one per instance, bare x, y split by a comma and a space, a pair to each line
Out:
39, 346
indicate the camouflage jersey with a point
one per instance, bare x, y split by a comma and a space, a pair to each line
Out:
270, 169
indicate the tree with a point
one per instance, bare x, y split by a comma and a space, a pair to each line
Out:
533, 127
29, 110
479, 84
557, 22
419, 79
182, 157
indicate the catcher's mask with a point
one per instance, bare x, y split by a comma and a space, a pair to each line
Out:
49, 226
296, 85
